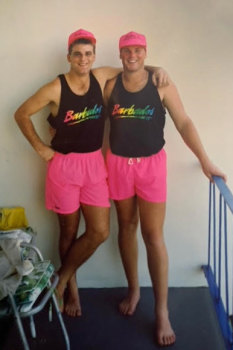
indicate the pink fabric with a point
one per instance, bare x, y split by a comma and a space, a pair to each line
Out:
132, 39
145, 177
81, 34
76, 178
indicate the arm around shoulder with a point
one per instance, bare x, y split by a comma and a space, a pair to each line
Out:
160, 76
103, 74
108, 89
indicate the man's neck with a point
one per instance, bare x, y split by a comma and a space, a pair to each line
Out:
79, 83
134, 80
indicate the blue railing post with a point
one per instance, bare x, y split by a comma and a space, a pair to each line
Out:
209, 228
220, 247
218, 281
214, 233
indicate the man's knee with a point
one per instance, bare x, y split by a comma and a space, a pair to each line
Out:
128, 226
154, 238
98, 236
103, 235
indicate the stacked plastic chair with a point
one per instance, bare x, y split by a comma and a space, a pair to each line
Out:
36, 288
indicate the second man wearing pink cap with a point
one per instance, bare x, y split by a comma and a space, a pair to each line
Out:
136, 164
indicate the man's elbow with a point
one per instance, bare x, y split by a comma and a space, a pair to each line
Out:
17, 116
20, 115
186, 126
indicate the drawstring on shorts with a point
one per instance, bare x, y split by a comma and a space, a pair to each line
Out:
131, 161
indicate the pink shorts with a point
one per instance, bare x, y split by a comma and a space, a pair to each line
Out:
145, 177
76, 178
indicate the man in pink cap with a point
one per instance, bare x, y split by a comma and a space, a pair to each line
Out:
76, 174
136, 164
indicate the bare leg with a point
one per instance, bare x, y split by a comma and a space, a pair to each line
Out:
68, 232
72, 305
127, 212
152, 218
97, 231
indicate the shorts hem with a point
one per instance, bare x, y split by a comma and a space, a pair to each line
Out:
153, 201
97, 205
122, 199
59, 211
145, 199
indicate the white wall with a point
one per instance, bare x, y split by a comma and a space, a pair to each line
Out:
193, 41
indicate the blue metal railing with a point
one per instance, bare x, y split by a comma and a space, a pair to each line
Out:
219, 279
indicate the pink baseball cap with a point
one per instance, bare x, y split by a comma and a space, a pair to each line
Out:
132, 39
81, 34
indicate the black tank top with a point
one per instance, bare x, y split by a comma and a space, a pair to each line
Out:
79, 123
137, 120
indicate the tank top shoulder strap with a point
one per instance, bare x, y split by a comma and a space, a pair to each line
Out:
92, 77
119, 80
63, 81
149, 81
150, 73
150, 84
118, 84
93, 80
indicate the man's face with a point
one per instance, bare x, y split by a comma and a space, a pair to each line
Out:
133, 57
81, 58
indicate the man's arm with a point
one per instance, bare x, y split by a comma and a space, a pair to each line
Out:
102, 74
160, 76
187, 130
108, 90
43, 97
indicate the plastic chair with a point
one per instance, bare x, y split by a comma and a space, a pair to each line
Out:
28, 302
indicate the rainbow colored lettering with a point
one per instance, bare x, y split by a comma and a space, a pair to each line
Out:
132, 112
74, 118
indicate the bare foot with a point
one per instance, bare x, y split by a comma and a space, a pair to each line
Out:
165, 335
72, 302
128, 305
72, 305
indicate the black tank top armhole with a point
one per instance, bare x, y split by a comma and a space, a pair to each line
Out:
150, 81
64, 87
52, 121
93, 81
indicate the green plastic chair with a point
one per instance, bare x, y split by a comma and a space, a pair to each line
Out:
33, 293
